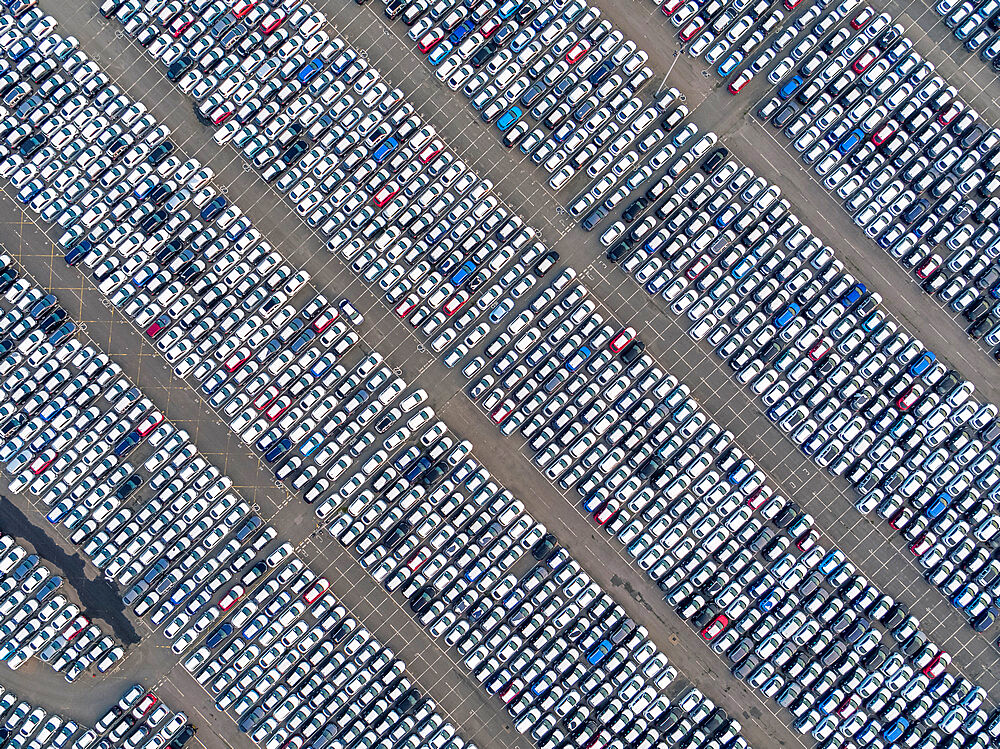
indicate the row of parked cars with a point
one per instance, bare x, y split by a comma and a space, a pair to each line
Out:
410, 168
293, 668
531, 626
548, 75
731, 34
139, 720
445, 343
740, 562
914, 166
37, 620
190, 554
835, 373
976, 25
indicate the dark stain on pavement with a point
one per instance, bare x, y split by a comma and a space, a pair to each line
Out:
99, 598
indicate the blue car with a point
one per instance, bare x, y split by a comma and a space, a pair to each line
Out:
441, 51
302, 340
278, 450
310, 70
938, 505
786, 315
853, 294
599, 652
463, 30
43, 305
852, 140
508, 118
601, 73
78, 252
214, 208
829, 563
922, 364
385, 150
222, 631
419, 467
128, 443
249, 527
574, 362
467, 269
791, 87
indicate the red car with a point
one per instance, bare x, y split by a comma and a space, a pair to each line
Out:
950, 113
385, 194
577, 51
699, 266
230, 599
242, 7
670, 6
221, 114
235, 361
807, 540
938, 665
155, 329
862, 19
738, 83
431, 150
278, 408
884, 133
77, 626
818, 349
603, 515
318, 588
454, 304
901, 517
865, 61
715, 628
324, 321
758, 499
910, 396
929, 265
792, 4
263, 400
430, 40
622, 340
693, 28
272, 21
501, 412
152, 420
489, 28
921, 545
180, 24
146, 704
406, 306
43, 461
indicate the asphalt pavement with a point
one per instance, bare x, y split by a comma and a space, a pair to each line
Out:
524, 188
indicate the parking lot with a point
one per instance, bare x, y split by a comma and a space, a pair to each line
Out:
872, 546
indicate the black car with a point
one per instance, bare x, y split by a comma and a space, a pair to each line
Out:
981, 326
714, 159
635, 208
421, 600
159, 153
632, 352
985, 620
128, 488
947, 383
183, 737
617, 252
179, 67
977, 309
545, 263
544, 547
